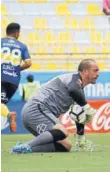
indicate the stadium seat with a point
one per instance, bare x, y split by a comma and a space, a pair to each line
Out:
62, 9
3, 10
58, 50
40, 1
89, 49
96, 37
94, 9
36, 66
51, 66
71, 1
75, 49
25, 1
67, 66
64, 37
107, 41
87, 23
101, 65
31, 38
105, 49
40, 23
49, 38
41, 50
71, 23
4, 23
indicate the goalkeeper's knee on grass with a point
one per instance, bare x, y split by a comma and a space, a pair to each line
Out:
60, 137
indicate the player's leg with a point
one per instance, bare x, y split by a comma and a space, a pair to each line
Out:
11, 116
81, 142
52, 137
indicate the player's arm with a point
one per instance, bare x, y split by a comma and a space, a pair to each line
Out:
77, 93
26, 64
26, 59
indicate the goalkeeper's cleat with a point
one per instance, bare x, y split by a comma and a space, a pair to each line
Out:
82, 144
21, 148
12, 121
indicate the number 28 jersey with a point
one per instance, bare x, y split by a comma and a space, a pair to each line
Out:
13, 52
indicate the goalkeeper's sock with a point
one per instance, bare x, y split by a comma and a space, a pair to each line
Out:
80, 128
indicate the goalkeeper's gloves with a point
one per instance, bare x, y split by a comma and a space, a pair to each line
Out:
90, 112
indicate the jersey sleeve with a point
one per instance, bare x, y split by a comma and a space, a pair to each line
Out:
25, 53
77, 93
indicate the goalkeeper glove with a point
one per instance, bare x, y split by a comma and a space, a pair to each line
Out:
89, 111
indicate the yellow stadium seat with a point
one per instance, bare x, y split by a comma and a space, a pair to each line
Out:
96, 37
51, 66
94, 9
71, 23
31, 38
107, 41
62, 9
89, 50
87, 23
40, 1
3, 10
4, 23
105, 49
58, 50
71, 1
37, 39
49, 38
40, 23
101, 65
36, 66
64, 37
25, 1
67, 66
41, 50
75, 49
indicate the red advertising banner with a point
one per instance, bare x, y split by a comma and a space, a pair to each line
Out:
100, 122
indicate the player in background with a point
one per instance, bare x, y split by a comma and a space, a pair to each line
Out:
40, 114
13, 53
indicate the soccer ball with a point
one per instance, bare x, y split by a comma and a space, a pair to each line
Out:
77, 113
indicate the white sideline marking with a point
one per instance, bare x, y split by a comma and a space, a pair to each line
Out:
57, 169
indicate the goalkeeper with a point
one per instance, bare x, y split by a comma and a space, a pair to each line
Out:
40, 114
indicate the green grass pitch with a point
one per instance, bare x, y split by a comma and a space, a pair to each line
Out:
97, 161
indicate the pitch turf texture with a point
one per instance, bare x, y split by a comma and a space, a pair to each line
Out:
97, 161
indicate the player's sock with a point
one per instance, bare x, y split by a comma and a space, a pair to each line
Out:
41, 139
80, 128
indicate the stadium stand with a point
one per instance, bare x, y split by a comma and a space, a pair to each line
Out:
59, 33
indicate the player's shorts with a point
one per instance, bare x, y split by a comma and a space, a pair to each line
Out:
7, 91
37, 118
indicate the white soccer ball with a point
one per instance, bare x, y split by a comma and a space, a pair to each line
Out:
77, 113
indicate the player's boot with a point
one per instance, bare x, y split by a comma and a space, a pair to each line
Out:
12, 121
82, 144
21, 148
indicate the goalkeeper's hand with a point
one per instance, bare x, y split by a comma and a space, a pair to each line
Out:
82, 115
89, 111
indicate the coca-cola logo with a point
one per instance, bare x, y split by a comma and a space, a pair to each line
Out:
101, 120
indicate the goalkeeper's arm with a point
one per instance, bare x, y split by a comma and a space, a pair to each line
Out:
78, 96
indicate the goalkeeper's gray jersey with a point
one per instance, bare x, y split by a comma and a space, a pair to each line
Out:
57, 94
